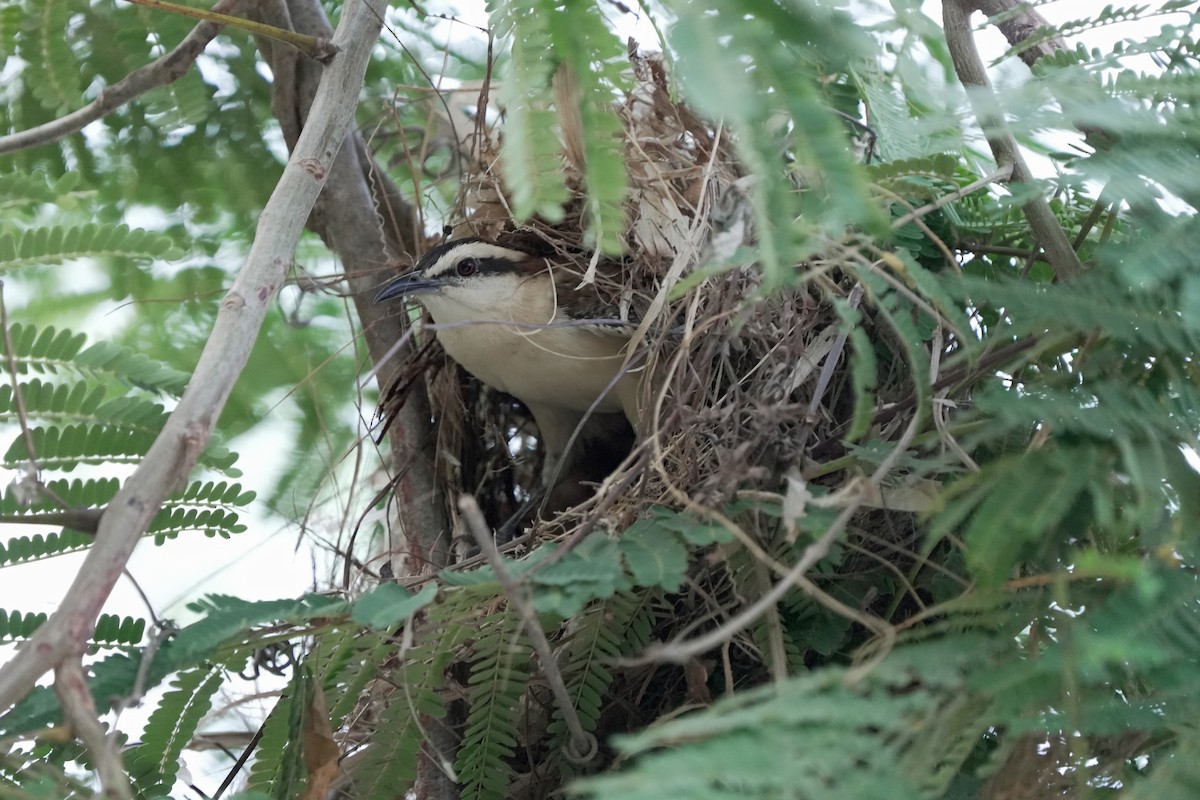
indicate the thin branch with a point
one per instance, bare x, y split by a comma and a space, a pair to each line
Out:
1000, 174
240, 763
583, 746
83, 520
917, 220
160, 634
79, 710
682, 652
973, 75
831, 360
982, 248
1020, 22
314, 47
160, 72
1102, 204
872, 623
239, 318
940, 402
348, 219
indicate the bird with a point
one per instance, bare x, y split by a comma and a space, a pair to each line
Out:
524, 325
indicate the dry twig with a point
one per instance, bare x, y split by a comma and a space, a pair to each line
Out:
79, 710
583, 745
682, 652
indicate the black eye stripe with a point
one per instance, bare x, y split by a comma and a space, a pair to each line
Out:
490, 266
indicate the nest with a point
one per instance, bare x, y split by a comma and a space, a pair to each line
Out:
739, 398
752, 395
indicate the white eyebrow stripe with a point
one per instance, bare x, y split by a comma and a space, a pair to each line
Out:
484, 251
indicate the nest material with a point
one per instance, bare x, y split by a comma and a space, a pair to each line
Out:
743, 392
733, 403
748, 385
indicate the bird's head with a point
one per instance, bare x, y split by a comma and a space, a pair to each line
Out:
470, 279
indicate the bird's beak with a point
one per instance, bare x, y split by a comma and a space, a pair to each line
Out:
412, 283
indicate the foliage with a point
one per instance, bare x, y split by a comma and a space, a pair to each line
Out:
1005, 606
577, 55
154, 764
775, 741
91, 406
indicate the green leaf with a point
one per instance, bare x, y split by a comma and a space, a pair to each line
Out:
229, 618
592, 571
154, 763
497, 680
54, 245
655, 557
389, 605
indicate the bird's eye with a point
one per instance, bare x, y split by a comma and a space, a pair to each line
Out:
467, 267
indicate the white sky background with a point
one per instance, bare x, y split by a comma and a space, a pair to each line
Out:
270, 560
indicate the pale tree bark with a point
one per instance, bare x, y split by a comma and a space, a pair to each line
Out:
347, 217
960, 39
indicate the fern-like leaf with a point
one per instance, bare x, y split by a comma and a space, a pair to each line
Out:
531, 157
498, 679
227, 618
154, 763
390, 761
596, 59
812, 736
15, 626
54, 245
55, 80
50, 351
345, 661
133, 368
112, 629
605, 631
19, 188
67, 447
34, 547
180, 106
112, 679
279, 770
713, 44
10, 21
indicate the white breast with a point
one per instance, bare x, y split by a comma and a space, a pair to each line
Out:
558, 365
567, 367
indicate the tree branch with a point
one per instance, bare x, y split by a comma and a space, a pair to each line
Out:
1019, 22
1025, 29
239, 318
83, 520
79, 710
159, 72
317, 47
971, 72
347, 219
